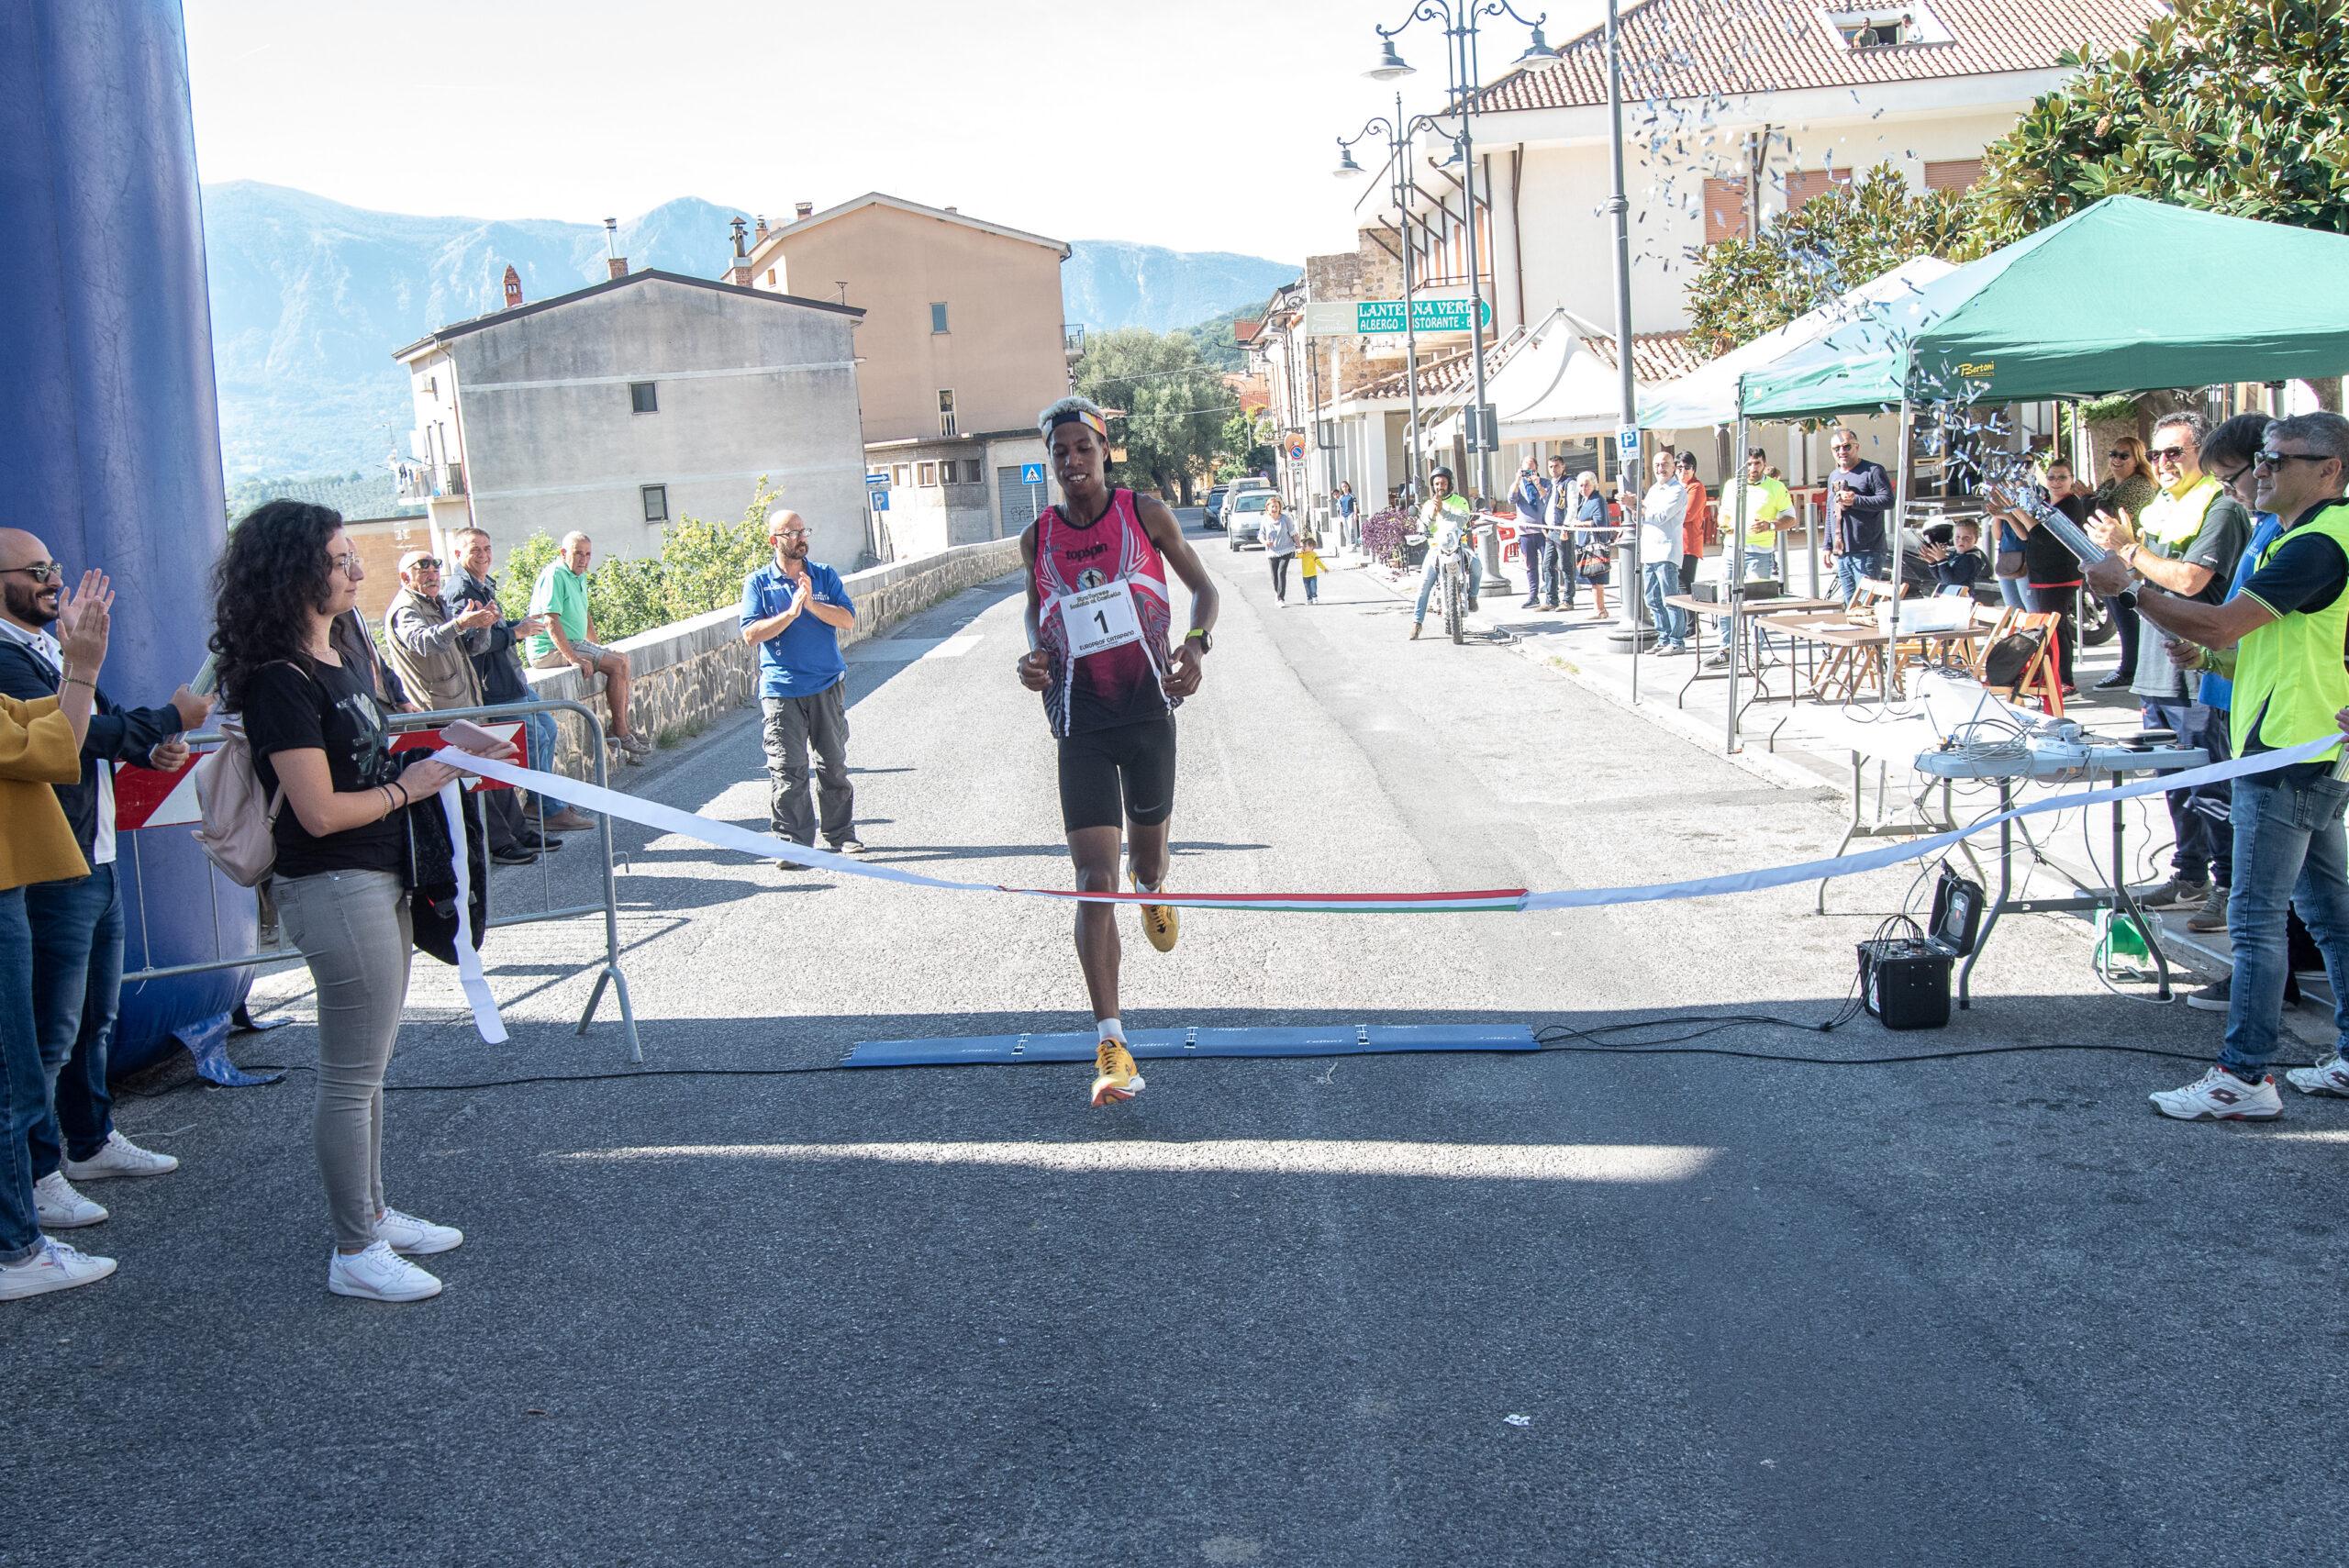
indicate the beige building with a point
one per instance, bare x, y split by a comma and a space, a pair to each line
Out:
960, 344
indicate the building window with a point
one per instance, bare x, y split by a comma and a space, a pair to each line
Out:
1804, 183
902, 475
930, 476
656, 502
641, 400
945, 412
1888, 27
433, 386
1954, 174
938, 315
770, 277
1724, 210
971, 474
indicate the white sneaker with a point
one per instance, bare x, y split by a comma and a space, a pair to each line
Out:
59, 1207
407, 1234
380, 1275
2221, 1096
2329, 1076
55, 1267
120, 1157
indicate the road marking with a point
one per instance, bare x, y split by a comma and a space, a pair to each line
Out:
1297, 1157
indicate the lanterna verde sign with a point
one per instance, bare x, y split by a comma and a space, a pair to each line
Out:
1383, 318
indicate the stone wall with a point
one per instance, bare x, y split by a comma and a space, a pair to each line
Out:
690, 673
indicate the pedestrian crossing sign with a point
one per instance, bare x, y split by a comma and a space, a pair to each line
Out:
1031, 474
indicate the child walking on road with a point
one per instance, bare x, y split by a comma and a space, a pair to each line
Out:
1308, 565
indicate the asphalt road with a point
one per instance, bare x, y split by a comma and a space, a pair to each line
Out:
1569, 1307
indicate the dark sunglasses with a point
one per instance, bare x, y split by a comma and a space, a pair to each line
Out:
426, 564
2176, 455
39, 570
2278, 460
2121, 454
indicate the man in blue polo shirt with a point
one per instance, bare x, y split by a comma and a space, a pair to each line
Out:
793, 613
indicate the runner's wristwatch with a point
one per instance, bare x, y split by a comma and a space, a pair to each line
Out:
1199, 634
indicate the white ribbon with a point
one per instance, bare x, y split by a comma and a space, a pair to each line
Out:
766, 846
469, 974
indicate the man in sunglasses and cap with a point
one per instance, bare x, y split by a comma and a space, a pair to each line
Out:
428, 649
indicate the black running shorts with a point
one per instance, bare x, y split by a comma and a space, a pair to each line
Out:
1109, 777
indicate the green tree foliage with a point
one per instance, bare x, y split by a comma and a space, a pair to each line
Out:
700, 568
1242, 446
1175, 405
1219, 338
2240, 106
1832, 243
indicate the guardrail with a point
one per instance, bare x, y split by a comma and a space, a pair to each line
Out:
143, 811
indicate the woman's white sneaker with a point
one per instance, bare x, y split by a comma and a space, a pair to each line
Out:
379, 1275
55, 1267
59, 1207
416, 1237
120, 1157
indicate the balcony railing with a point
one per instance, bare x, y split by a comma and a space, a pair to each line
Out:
428, 481
1072, 339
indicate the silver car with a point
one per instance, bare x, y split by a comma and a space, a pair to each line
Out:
1243, 515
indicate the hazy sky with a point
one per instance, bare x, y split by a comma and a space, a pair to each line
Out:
1204, 125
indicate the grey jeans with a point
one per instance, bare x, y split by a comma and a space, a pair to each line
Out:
352, 928
793, 726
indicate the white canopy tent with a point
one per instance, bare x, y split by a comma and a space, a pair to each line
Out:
1555, 388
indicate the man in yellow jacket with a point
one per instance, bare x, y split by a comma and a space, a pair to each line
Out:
40, 748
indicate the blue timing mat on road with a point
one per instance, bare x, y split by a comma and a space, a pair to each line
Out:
1152, 1045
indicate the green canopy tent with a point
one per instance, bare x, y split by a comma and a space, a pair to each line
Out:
2123, 296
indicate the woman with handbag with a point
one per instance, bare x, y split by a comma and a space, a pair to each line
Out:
317, 727
2127, 487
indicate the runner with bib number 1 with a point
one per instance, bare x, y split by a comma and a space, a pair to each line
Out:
1099, 618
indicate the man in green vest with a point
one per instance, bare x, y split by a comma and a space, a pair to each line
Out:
1768, 509
2290, 625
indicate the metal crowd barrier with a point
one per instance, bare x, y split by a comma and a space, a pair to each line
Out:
608, 975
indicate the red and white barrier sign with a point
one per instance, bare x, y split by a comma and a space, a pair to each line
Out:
144, 797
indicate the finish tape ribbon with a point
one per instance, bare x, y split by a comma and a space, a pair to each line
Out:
766, 846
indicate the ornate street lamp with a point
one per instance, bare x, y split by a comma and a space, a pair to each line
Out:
1397, 132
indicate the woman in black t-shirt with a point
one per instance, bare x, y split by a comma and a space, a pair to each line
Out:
317, 732
2052, 573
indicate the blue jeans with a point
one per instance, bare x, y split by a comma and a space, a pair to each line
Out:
77, 990
2290, 851
1434, 570
1540, 552
2194, 850
1760, 562
2010, 594
540, 728
1854, 564
24, 1096
1662, 579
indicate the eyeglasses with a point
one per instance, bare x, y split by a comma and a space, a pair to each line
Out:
2171, 454
347, 563
2121, 454
426, 564
2231, 480
2271, 460
791, 533
39, 570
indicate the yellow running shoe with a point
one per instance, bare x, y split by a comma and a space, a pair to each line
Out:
1116, 1077
1160, 922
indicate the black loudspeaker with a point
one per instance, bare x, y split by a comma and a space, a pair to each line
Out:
1905, 982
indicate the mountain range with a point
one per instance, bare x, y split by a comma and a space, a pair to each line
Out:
310, 297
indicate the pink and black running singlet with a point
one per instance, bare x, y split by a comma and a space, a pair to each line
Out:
1125, 684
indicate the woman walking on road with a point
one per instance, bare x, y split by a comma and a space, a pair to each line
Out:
317, 728
1280, 543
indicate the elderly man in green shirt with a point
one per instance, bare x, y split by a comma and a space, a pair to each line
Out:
560, 595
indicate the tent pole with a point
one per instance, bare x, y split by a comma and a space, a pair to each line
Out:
1734, 562
1899, 521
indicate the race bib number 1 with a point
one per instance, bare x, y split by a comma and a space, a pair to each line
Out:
1097, 620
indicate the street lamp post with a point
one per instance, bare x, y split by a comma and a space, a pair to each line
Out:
1398, 133
1461, 20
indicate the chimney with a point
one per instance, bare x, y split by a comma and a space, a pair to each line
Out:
613, 260
800, 211
760, 233
738, 270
